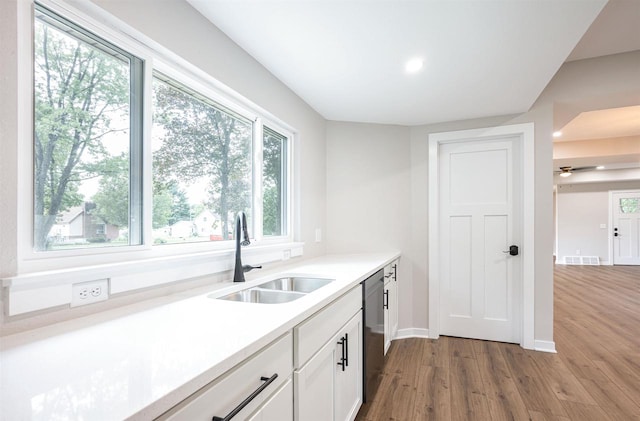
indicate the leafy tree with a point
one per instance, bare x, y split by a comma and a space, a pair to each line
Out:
177, 203
112, 198
202, 141
78, 89
273, 148
162, 209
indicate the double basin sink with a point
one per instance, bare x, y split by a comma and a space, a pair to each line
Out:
277, 291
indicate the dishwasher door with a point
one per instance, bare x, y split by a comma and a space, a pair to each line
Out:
373, 326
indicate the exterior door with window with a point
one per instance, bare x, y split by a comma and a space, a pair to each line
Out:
480, 202
626, 227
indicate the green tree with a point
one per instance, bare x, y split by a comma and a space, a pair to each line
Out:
78, 89
162, 204
112, 197
273, 152
202, 141
180, 209
170, 203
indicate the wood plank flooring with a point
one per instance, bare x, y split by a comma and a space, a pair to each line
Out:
594, 376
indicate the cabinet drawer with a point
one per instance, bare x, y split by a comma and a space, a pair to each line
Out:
226, 392
313, 333
279, 407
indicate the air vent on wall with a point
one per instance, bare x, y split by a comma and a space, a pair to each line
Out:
582, 260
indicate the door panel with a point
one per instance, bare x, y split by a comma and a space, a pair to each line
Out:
496, 291
460, 265
479, 219
488, 184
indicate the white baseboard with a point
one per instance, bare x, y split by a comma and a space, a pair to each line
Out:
542, 346
545, 346
412, 333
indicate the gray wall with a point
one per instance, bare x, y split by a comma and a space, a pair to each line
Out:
582, 208
369, 196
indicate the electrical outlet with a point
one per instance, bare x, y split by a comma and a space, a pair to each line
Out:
89, 292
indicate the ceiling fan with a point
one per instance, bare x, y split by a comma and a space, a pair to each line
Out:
566, 171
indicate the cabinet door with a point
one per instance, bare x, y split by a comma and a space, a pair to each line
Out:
388, 274
279, 407
390, 305
314, 386
393, 303
348, 382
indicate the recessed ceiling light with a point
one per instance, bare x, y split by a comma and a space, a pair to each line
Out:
565, 174
414, 65
600, 167
557, 134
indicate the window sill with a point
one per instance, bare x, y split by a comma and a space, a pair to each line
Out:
42, 290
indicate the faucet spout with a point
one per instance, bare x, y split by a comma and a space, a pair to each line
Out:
241, 231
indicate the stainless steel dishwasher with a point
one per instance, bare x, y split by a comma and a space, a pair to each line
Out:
373, 334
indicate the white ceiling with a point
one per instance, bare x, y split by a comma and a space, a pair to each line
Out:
346, 58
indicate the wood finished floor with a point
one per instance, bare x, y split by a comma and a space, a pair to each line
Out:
594, 376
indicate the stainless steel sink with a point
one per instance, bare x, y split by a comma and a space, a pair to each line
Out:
297, 284
256, 295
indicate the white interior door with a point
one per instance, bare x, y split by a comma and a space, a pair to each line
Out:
626, 228
479, 219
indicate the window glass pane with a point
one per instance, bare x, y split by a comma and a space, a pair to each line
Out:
202, 166
81, 138
629, 205
274, 183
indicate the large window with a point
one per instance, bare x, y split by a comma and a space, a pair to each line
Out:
202, 166
87, 138
89, 148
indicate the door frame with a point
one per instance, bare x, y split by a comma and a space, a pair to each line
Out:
610, 230
525, 132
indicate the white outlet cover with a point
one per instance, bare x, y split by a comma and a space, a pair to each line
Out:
89, 292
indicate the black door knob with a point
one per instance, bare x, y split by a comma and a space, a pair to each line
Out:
513, 251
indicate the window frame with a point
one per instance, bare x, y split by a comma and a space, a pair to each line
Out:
136, 132
288, 188
95, 20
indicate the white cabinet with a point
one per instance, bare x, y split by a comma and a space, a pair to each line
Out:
390, 302
263, 376
329, 386
314, 391
348, 380
328, 383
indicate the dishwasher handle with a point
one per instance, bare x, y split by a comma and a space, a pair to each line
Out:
267, 381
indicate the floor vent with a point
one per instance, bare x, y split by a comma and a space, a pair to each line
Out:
582, 260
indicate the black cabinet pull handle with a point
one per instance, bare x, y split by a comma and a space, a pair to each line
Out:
267, 381
346, 349
394, 272
343, 360
385, 302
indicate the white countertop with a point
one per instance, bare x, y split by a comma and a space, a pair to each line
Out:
137, 364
